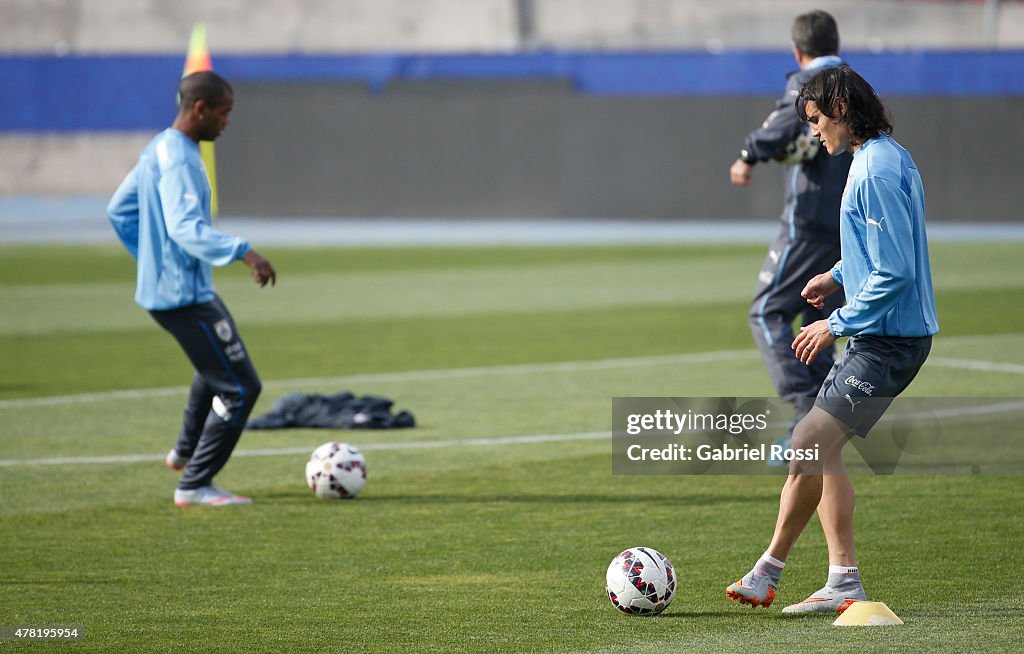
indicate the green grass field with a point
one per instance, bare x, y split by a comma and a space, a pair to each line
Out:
464, 540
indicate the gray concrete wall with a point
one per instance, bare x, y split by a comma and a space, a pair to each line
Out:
733, 24
98, 26
67, 164
539, 149
93, 26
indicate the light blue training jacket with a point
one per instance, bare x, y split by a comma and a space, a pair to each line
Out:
885, 270
161, 213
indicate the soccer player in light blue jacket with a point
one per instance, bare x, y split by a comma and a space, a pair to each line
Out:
889, 316
161, 213
884, 270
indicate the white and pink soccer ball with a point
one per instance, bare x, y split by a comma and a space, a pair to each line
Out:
641, 581
336, 471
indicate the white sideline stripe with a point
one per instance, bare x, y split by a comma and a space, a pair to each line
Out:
411, 445
408, 375
466, 442
984, 366
469, 442
457, 373
957, 412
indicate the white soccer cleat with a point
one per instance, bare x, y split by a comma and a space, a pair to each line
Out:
175, 461
755, 591
827, 600
208, 496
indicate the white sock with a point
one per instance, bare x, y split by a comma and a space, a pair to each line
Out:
769, 566
842, 570
843, 578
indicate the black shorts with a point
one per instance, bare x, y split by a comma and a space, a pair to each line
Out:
871, 372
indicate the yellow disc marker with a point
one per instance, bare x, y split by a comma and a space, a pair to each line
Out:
867, 614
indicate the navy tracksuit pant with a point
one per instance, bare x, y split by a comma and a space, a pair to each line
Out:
789, 265
224, 388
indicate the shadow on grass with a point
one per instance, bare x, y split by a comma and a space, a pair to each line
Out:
691, 615
65, 580
15, 391
744, 616
287, 497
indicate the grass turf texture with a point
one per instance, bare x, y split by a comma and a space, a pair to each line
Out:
469, 548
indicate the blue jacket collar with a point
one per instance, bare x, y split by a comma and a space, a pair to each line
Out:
825, 62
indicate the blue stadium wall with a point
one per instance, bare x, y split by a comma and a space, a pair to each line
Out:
564, 134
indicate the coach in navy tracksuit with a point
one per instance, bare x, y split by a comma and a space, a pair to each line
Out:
161, 213
809, 240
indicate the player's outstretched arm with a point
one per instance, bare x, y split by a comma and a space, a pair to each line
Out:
819, 288
261, 269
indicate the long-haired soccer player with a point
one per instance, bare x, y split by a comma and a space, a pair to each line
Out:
889, 316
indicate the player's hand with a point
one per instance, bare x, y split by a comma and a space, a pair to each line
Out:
819, 288
261, 269
812, 340
740, 173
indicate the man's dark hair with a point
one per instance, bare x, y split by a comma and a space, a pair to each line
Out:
815, 34
830, 87
204, 85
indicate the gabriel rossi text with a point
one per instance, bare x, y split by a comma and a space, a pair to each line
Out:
705, 436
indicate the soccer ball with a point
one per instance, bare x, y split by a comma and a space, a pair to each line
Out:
801, 149
641, 581
336, 471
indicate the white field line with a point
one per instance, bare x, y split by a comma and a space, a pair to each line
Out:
471, 442
403, 376
957, 412
411, 445
983, 366
462, 373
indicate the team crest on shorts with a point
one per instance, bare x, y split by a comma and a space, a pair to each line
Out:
224, 331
